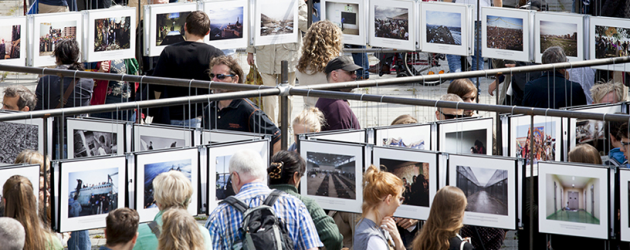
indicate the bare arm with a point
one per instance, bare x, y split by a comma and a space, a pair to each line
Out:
277, 147
497, 3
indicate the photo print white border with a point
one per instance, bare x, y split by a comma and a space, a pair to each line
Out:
10, 21
67, 224
403, 154
34, 27
89, 55
467, 46
624, 178
415, 131
464, 125
30, 171
574, 228
337, 204
560, 17
390, 42
162, 131
222, 136
599, 109
95, 126
284, 6
499, 163
150, 24
235, 43
610, 22
506, 54
361, 17
225, 149
519, 120
350, 135
147, 157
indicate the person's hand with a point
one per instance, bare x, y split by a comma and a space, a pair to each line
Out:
104, 66
406, 223
389, 225
492, 87
510, 65
250, 59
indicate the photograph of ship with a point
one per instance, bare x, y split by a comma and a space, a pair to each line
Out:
611, 41
10, 38
15, 138
444, 27
505, 33
153, 142
466, 142
391, 22
226, 23
170, 28
93, 143
415, 177
572, 198
486, 189
224, 183
112, 33
331, 175
544, 142
344, 15
277, 18
559, 34
93, 192
154, 169
51, 33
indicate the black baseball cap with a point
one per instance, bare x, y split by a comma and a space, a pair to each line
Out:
341, 62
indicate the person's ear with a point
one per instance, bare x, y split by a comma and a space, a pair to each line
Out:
236, 78
437, 115
296, 178
135, 238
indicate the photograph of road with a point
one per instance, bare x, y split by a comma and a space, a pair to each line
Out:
544, 141
15, 138
10, 38
170, 28
277, 18
505, 33
226, 23
564, 35
486, 189
466, 142
154, 169
51, 33
93, 192
331, 175
112, 33
611, 41
153, 142
344, 15
391, 22
415, 177
572, 198
92, 143
444, 27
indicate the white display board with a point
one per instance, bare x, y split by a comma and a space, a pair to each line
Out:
624, 184
154, 137
464, 136
276, 23
14, 42
392, 24
111, 34
415, 136
547, 133
229, 23
560, 29
349, 16
446, 28
45, 30
88, 138
606, 36
506, 33
164, 25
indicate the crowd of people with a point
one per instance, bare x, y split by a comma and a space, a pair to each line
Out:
606, 47
505, 38
392, 28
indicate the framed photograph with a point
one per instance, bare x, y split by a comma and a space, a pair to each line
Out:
111, 34
559, 29
154, 137
470, 136
219, 156
349, 15
87, 137
392, 24
164, 25
276, 23
547, 139
12, 50
29, 171
624, 199
22, 134
150, 164
609, 38
505, 33
573, 199
90, 188
416, 136
229, 23
593, 132
46, 30
334, 171
349, 135
222, 136
490, 184
418, 171
446, 28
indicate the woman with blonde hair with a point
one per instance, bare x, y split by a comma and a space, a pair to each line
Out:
29, 156
382, 195
20, 204
322, 43
180, 231
441, 230
310, 120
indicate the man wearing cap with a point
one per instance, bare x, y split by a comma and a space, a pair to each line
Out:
337, 112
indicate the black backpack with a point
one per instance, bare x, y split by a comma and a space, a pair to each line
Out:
261, 229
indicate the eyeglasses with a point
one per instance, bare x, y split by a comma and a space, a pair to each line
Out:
625, 143
220, 76
449, 116
354, 72
401, 199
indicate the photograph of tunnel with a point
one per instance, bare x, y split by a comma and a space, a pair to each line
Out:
415, 177
331, 175
573, 198
486, 189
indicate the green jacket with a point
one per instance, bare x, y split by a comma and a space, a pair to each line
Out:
326, 227
147, 240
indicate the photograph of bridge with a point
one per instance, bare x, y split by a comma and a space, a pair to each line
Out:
331, 175
486, 189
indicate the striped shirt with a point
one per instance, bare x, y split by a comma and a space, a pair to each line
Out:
225, 221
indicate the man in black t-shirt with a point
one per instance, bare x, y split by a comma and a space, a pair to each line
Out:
189, 60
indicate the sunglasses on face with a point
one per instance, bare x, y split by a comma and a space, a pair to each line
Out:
449, 116
625, 143
220, 76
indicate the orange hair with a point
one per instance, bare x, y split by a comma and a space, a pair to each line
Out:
377, 185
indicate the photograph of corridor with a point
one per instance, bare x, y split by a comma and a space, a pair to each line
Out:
572, 198
486, 189
331, 175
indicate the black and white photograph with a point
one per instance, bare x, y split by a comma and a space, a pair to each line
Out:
413, 137
444, 27
90, 189
490, 184
229, 23
573, 199
156, 137
505, 33
350, 135
48, 29
154, 143
92, 143
276, 23
164, 25
31, 172
624, 203
221, 136
12, 50
592, 132
333, 174
391, 22
112, 33
169, 28
609, 37
472, 136
17, 137
560, 29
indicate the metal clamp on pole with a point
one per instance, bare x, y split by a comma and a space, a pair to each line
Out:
284, 105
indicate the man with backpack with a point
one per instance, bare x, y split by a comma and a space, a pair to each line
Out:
272, 220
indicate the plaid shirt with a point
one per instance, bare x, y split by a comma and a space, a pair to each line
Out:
225, 221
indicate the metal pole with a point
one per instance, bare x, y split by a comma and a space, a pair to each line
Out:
284, 106
309, 15
531, 184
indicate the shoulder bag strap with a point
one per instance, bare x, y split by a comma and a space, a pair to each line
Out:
272, 197
235, 203
154, 228
67, 93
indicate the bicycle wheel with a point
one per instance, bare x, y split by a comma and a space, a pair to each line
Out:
421, 63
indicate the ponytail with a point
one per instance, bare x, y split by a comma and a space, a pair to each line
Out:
377, 185
283, 167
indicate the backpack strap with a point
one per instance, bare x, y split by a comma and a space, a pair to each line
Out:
67, 93
235, 203
271, 199
155, 228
